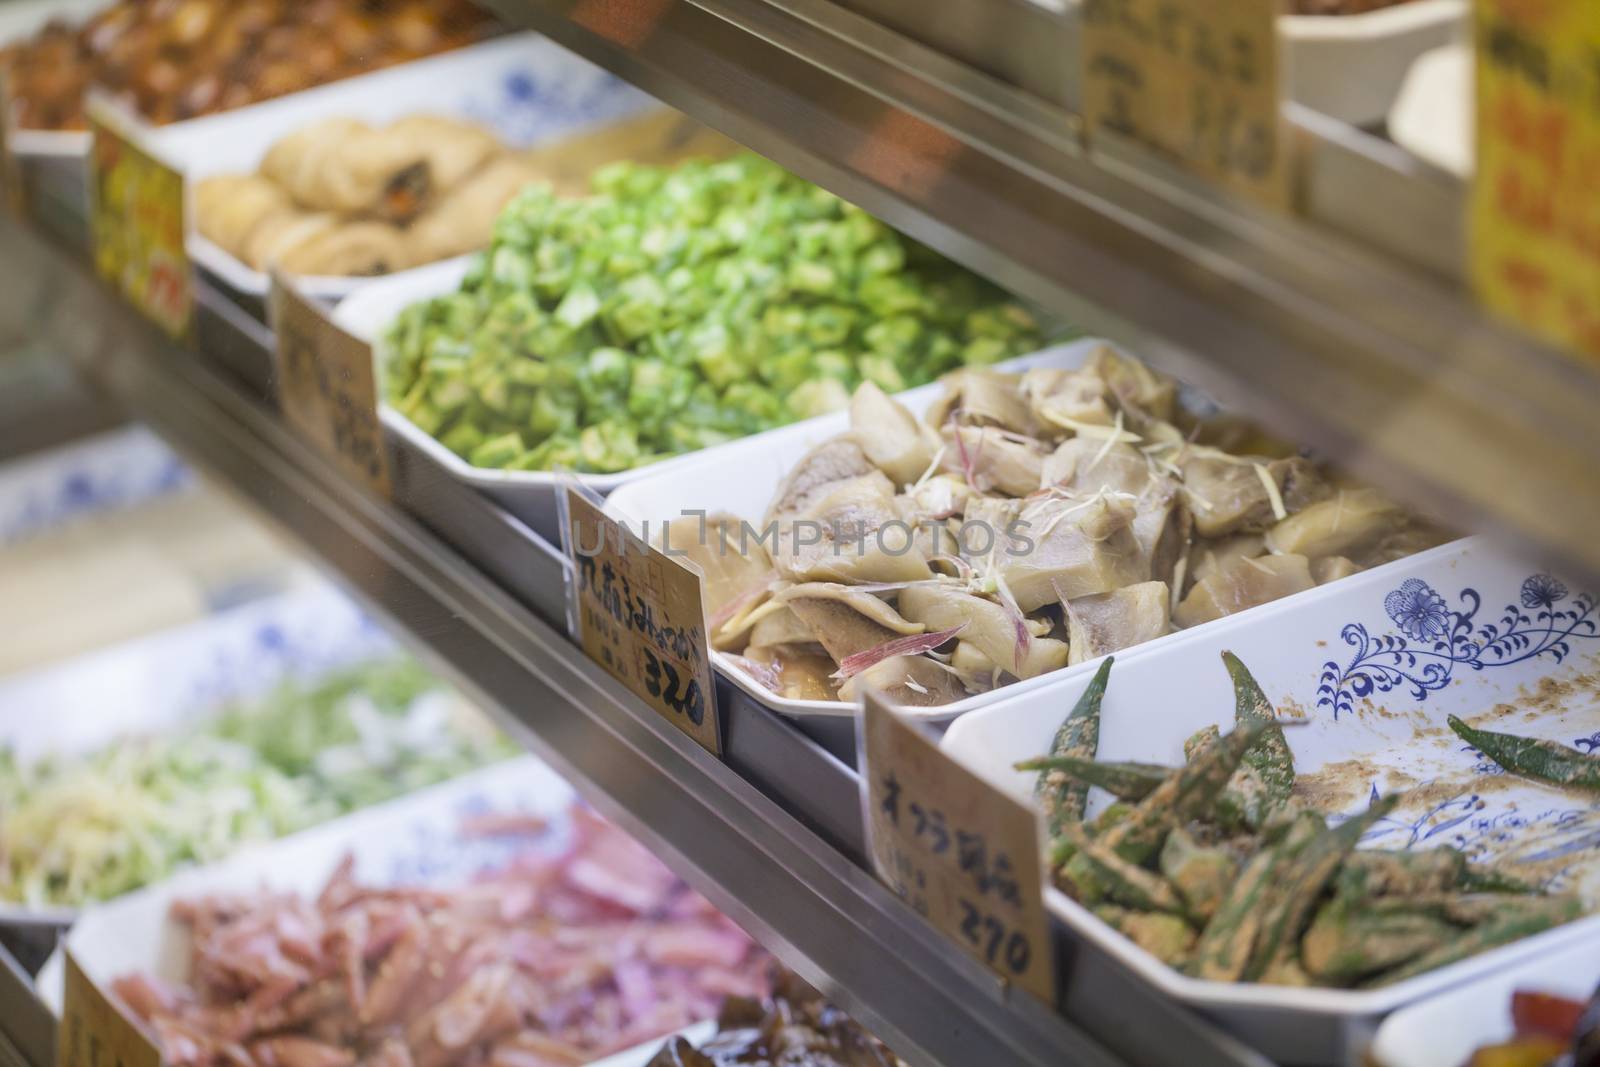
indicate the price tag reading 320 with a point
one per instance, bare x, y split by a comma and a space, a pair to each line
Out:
1196, 80
640, 615
959, 851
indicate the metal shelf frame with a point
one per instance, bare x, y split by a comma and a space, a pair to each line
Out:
1379, 361
812, 907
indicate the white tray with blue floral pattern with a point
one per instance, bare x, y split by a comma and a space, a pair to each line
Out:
1375, 663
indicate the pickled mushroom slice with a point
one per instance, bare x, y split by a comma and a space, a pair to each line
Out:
1071, 549
851, 533
1211, 555
781, 627
990, 627
836, 460
1064, 398
1109, 622
844, 620
981, 397
1134, 384
1346, 524
1228, 494
914, 681
890, 436
1088, 465
1243, 583
990, 459
1163, 526
1331, 569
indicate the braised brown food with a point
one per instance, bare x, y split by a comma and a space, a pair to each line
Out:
795, 1027
179, 59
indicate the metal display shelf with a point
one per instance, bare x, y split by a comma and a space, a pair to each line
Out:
1344, 328
797, 894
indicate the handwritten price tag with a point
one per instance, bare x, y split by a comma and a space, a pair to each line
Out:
640, 615
959, 851
327, 387
1535, 206
94, 1033
1196, 80
138, 219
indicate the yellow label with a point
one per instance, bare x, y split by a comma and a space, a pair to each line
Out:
1535, 224
327, 387
94, 1033
137, 220
959, 851
1197, 81
640, 616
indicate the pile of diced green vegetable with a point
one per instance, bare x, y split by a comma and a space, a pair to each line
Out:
77, 829
674, 309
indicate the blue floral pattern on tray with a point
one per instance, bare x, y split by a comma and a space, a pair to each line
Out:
530, 101
1511, 836
116, 470
1434, 639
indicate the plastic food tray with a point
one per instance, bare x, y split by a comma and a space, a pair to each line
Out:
410, 841
739, 479
524, 87
1483, 630
1444, 1031
163, 682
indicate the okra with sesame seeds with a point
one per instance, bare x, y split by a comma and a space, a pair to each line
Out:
1184, 796
1078, 736
1378, 872
1531, 757
1123, 780
1346, 941
1270, 757
1289, 905
1487, 878
1513, 926
1166, 937
1202, 876
1123, 882
1225, 943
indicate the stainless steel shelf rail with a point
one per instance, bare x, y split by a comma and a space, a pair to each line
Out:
824, 916
1382, 364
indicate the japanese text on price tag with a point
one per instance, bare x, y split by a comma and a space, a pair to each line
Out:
93, 1032
1196, 80
640, 615
959, 851
1535, 226
137, 219
327, 387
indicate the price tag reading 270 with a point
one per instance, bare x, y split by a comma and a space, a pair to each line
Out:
640, 615
963, 854
1195, 80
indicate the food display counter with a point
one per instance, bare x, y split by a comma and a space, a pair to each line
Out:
993, 482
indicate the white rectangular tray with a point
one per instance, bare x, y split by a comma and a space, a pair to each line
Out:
1445, 1030
410, 841
739, 478
524, 87
163, 682
1349, 658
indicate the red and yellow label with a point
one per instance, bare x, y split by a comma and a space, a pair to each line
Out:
1535, 222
